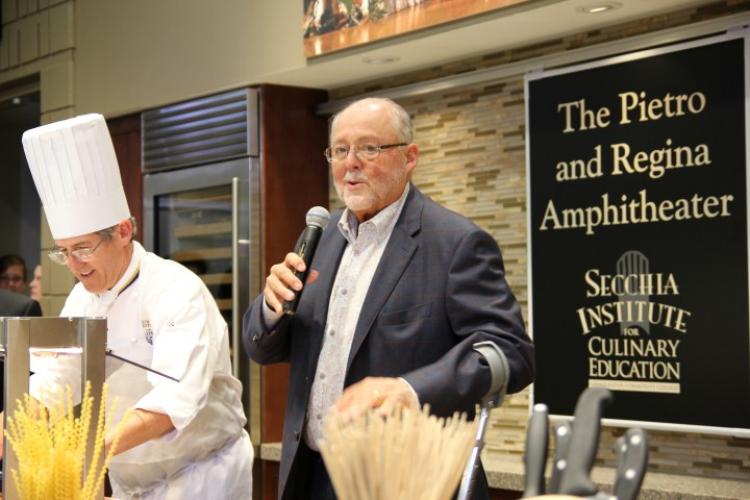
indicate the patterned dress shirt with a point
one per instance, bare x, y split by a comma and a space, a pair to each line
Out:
367, 241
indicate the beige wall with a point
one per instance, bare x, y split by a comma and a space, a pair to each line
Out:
136, 54
37, 50
38, 40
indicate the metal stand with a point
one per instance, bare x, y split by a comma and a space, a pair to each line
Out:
17, 335
500, 373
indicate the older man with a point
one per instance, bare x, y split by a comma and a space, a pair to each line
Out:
184, 438
400, 290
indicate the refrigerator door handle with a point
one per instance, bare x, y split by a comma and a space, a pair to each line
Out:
235, 344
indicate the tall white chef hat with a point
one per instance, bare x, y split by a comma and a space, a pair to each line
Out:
75, 170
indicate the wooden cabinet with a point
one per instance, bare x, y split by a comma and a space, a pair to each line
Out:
293, 178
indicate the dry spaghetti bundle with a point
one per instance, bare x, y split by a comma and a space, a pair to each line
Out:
51, 447
407, 455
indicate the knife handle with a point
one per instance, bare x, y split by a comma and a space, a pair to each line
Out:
584, 442
631, 464
535, 458
559, 461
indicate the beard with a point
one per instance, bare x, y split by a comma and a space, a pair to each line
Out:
373, 194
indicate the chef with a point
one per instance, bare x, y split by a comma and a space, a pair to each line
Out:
184, 438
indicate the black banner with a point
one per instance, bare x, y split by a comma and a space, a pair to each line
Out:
638, 234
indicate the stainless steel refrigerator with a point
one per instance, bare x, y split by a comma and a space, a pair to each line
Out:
201, 201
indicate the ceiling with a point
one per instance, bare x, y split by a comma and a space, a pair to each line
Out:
533, 22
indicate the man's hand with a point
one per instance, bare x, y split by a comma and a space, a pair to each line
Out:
281, 283
384, 393
139, 426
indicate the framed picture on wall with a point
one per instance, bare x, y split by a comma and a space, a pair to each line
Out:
332, 25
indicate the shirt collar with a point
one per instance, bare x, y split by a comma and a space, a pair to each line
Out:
129, 276
383, 221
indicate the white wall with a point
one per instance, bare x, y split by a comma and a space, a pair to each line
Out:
132, 55
136, 54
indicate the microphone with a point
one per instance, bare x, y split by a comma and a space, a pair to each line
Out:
315, 220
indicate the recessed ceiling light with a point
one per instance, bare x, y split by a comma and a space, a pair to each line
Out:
380, 60
598, 7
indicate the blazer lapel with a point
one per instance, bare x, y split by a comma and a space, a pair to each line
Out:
397, 254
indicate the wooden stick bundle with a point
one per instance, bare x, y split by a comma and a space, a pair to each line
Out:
406, 455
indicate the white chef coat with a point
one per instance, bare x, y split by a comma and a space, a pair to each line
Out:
161, 315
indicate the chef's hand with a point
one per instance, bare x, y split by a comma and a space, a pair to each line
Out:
384, 393
281, 283
138, 427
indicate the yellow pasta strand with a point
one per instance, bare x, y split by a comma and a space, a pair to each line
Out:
51, 447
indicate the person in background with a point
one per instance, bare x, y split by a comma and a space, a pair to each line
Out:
399, 292
35, 285
12, 303
13, 273
185, 436
15, 304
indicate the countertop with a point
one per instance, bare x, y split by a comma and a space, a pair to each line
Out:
509, 475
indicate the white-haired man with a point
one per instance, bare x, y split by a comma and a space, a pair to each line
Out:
400, 290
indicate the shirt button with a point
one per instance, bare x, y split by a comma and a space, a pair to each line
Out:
332, 332
133, 339
322, 376
319, 416
343, 292
296, 435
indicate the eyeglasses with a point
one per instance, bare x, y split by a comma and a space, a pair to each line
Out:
361, 151
59, 256
11, 279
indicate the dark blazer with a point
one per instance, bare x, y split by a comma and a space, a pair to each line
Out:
15, 304
439, 288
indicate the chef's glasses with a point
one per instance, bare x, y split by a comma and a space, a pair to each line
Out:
84, 254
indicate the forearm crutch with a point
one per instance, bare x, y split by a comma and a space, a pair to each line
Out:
499, 373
